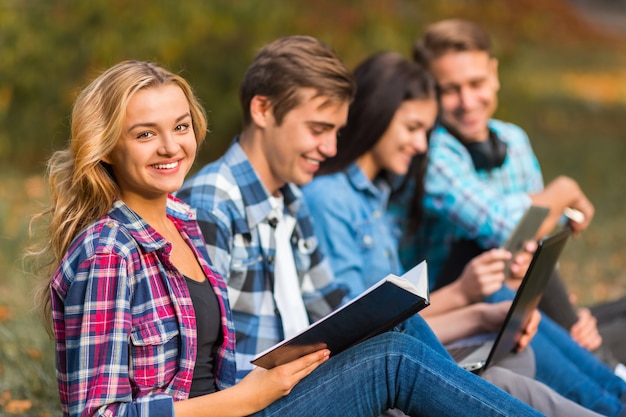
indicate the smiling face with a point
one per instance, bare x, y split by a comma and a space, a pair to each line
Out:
405, 137
292, 151
468, 86
157, 146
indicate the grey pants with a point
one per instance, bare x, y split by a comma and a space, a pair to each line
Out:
534, 393
515, 375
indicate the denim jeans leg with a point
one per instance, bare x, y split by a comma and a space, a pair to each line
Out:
569, 369
394, 370
417, 327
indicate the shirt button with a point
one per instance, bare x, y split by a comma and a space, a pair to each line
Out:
376, 214
367, 239
110, 225
271, 259
305, 246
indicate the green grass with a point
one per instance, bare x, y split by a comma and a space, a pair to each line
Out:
571, 104
27, 379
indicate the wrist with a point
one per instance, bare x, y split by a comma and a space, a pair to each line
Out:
570, 187
458, 294
484, 311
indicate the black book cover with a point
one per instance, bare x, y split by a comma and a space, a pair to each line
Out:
384, 305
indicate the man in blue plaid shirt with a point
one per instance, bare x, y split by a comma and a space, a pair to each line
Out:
295, 97
482, 174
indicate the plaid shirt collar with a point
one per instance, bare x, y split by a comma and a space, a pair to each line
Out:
146, 236
255, 196
378, 188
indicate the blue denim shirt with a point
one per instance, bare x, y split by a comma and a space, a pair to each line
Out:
352, 227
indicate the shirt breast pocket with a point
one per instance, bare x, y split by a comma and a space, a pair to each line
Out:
242, 263
364, 235
154, 348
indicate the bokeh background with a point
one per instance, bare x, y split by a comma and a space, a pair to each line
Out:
562, 68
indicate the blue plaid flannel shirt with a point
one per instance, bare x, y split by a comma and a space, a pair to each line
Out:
232, 209
462, 203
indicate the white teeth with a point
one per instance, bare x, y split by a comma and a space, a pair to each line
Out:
312, 161
166, 166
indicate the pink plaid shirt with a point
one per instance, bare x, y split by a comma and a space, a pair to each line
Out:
124, 321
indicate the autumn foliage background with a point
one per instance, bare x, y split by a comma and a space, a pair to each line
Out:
563, 79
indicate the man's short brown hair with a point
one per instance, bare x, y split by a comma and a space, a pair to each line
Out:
452, 35
289, 64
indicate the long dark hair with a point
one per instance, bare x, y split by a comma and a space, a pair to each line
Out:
383, 82
410, 191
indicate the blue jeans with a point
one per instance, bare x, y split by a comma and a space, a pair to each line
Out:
571, 370
395, 370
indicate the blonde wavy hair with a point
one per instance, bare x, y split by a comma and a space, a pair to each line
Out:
82, 188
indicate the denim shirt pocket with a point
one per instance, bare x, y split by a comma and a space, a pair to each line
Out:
373, 252
152, 346
365, 235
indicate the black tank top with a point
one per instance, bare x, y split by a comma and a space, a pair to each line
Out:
208, 333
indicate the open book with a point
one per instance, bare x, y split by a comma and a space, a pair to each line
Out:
387, 303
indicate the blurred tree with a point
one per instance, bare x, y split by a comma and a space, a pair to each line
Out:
49, 49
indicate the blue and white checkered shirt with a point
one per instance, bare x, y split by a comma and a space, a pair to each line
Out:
232, 209
463, 203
